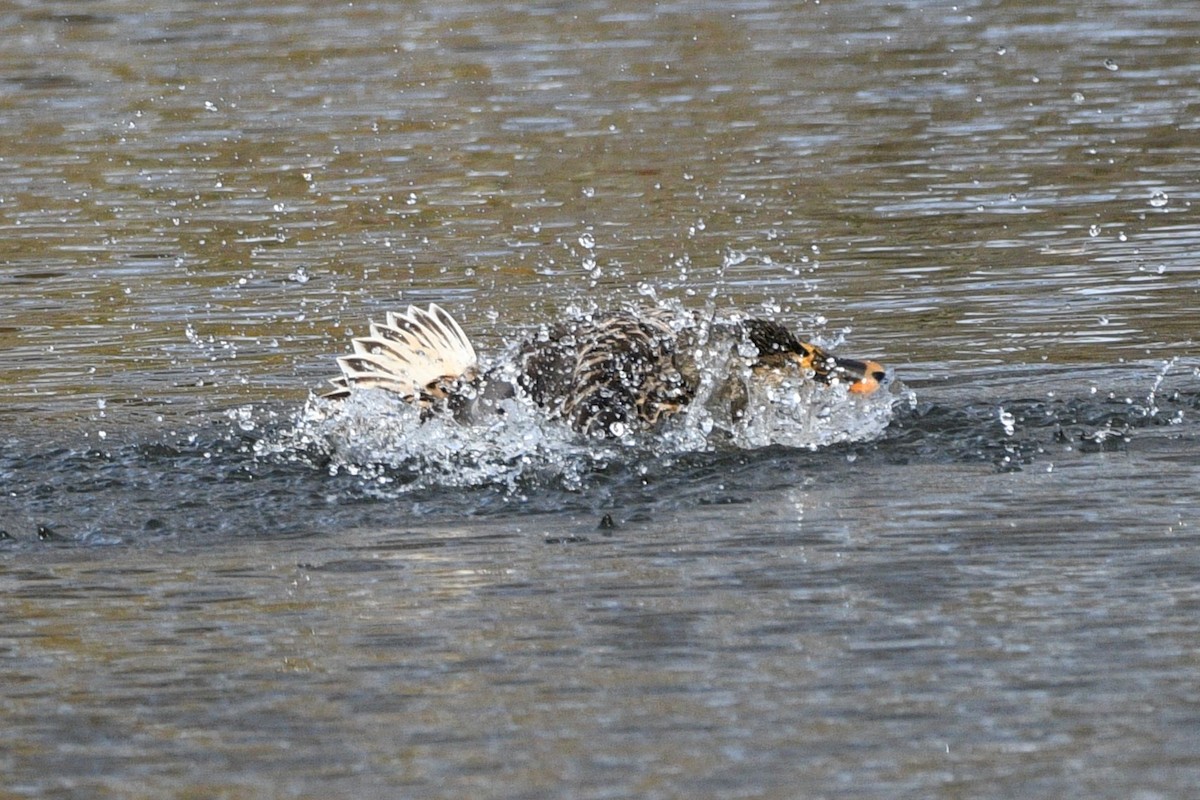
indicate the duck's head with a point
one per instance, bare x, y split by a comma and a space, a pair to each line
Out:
781, 354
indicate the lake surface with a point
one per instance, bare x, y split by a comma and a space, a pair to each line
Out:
997, 595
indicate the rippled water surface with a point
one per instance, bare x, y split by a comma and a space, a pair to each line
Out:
997, 595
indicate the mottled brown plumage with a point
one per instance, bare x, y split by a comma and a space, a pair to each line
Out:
608, 374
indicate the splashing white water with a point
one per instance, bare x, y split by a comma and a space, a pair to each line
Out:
374, 434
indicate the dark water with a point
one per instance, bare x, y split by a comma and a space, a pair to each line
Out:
996, 597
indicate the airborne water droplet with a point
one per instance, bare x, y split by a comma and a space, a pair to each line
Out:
1007, 421
1159, 199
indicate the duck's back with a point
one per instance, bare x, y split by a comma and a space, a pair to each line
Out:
610, 374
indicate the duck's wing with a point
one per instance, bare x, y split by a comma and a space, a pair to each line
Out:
414, 354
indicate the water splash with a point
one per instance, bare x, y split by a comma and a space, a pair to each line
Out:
387, 443
1151, 397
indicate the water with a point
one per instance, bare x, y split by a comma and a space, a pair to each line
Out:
993, 596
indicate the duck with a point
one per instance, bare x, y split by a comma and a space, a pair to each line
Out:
603, 374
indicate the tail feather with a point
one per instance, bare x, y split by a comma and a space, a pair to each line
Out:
413, 354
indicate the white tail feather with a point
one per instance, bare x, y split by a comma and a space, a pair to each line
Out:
411, 354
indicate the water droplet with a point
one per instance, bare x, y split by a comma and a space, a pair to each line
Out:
589, 191
1111, 65
1094, 231
1001, 50
1007, 421
587, 241
1159, 199
1077, 98
733, 258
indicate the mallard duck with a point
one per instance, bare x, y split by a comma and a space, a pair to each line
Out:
604, 375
